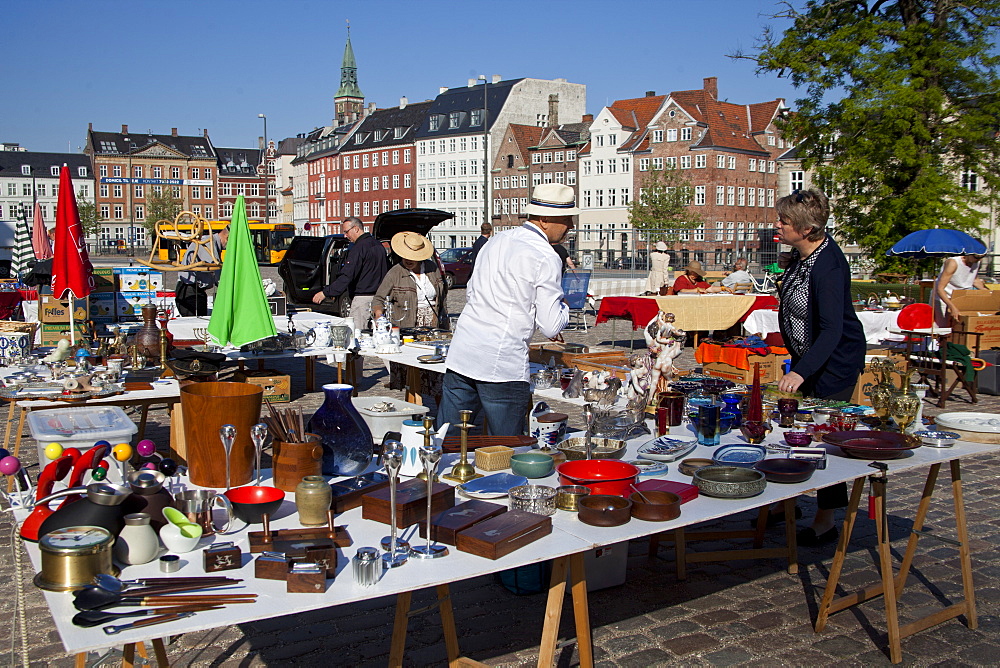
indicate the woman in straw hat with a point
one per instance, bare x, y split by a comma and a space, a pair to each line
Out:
414, 286
692, 281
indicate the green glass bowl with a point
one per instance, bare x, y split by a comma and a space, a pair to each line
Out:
532, 464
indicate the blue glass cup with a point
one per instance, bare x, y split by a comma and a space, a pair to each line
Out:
709, 425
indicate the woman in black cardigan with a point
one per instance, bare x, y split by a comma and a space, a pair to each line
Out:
819, 325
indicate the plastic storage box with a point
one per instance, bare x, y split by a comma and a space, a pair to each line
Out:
79, 427
381, 422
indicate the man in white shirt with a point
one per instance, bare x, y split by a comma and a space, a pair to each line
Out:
515, 289
738, 275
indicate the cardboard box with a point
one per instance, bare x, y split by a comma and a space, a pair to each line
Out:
57, 310
867, 380
770, 369
104, 280
131, 303
138, 279
51, 333
277, 386
102, 306
277, 304
979, 314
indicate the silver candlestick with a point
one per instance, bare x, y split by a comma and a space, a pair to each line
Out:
430, 455
397, 551
258, 434
227, 433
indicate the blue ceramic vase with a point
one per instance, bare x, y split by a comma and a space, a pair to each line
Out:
347, 442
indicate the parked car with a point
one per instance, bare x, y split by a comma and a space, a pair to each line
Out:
457, 266
313, 262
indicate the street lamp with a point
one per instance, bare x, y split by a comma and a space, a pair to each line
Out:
265, 172
128, 186
486, 152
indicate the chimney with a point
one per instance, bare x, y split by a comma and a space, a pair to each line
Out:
204, 133
588, 118
403, 102
496, 78
650, 93
260, 143
471, 83
712, 87
124, 129
90, 127
442, 90
553, 110
173, 132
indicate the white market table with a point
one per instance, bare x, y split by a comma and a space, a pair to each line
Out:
565, 545
878, 325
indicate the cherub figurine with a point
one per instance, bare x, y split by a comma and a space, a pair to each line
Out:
665, 343
637, 391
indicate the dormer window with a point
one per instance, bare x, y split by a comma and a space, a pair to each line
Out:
54, 170
454, 119
399, 131
26, 170
81, 172
476, 118
435, 121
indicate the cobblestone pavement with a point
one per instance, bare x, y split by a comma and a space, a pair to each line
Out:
728, 613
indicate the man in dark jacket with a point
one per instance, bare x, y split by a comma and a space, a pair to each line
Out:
485, 232
364, 267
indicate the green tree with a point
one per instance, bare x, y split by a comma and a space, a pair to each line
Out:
88, 215
662, 208
900, 110
162, 206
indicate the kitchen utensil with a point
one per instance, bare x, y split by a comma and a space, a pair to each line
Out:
227, 433
430, 455
98, 599
258, 435
602, 476
668, 448
251, 502
101, 507
739, 454
117, 585
494, 486
72, 556
937, 439
872, 444
91, 618
729, 482
785, 470
604, 511
170, 563
531, 464
568, 496
655, 506
197, 504
538, 499
160, 619
600, 448
588, 417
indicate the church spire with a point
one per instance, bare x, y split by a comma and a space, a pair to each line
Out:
349, 72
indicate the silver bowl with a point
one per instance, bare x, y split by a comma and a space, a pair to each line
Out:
603, 448
937, 439
729, 482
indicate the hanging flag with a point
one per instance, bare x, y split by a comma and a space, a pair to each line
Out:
40, 236
240, 313
71, 269
22, 248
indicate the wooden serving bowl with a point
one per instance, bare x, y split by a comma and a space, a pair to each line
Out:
785, 470
661, 506
604, 510
252, 502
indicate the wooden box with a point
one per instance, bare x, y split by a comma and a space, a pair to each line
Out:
305, 578
295, 542
275, 565
501, 535
347, 493
686, 491
411, 502
447, 525
277, 386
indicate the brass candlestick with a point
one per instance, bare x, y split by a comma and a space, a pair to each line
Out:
463, 471
163, 348
428, 433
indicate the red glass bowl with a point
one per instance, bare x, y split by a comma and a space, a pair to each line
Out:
251, 503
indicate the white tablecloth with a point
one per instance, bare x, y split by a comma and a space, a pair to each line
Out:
878, 325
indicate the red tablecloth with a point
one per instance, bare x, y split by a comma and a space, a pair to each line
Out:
643, 309
9, 301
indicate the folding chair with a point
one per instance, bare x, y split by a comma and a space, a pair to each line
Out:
575, 284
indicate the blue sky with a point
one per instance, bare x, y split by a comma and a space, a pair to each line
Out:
216, 64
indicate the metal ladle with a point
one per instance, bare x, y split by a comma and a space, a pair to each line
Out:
588, 417
258, 434
227, 433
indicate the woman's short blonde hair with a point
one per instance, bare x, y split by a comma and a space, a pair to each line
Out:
806, 211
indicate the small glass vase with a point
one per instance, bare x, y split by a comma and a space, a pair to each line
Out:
755, 431
347, 442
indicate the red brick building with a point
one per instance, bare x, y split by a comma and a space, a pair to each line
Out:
511, 177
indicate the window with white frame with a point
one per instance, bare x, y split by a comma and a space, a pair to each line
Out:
625, 196
731, 231
524, 180
612, 166
557, 156
685, 134
101, 169
760, 197
796, 180
720, 230
752, 165
671, 134
699, 195
586, 198
720, 195
560, 177
720, 161
770, 140
117, 190
571, 178
395, 180
599, 197
730, 195
612, 139
175, 172
612, 197
970, 180
751, 197
452, 193
770, 166
657, 164
657, 136
116, 170
105, 211
626, 165
385, 181
643, 165
700, 161
570, 156
685, 162
586, 167
104, 189
547, 177
741, 196
536, 178
374, 182
407, 181
770, 197
496, 183
119, 211
699, 233
598, 140
671, 162
536, 158
732, 162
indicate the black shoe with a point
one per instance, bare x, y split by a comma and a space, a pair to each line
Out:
774, 519
808, 538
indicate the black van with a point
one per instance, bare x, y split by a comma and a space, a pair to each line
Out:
310, 263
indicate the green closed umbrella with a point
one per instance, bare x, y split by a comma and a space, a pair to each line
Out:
240, 313
23, 252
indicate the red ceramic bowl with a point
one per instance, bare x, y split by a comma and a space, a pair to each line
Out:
251, 503
602, 476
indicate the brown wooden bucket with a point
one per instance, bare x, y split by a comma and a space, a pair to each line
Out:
294, 461
208, 406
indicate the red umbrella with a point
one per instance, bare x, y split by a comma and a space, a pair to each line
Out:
71, 269
40, 236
